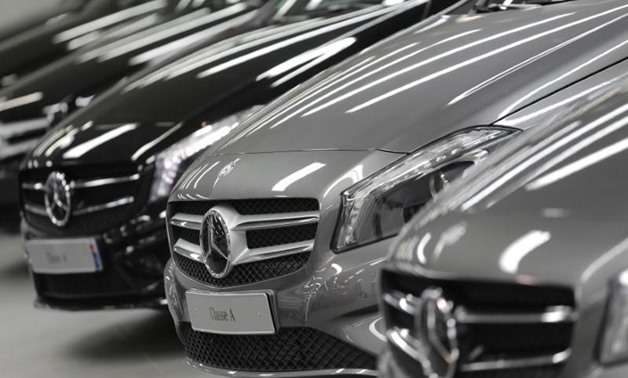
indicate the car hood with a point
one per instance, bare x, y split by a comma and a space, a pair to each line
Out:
165, 104
429, 81
90, 70
75, 26
549, 208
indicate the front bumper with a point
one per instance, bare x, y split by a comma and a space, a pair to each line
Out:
331, 301
131, 276
389, 368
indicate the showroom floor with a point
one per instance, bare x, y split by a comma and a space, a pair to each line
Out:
45, 343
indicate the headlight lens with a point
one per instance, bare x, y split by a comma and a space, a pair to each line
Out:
170, 163
378, 206
615, 341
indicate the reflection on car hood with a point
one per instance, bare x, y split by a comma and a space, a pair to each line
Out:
549, 208
429, 81
172, 101
90, 70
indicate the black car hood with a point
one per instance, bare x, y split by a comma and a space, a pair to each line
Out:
75, 25
429, 81
92, 69
160, 106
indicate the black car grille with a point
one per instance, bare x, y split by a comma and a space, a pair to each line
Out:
244, 274
95, 208
291, 349
257, 271
489, 340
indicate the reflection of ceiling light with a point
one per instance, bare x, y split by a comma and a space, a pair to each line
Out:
84, 148
20, 101
520, 248
296, 176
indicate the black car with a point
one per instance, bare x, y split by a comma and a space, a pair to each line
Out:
97, 184
61, 26
41, 98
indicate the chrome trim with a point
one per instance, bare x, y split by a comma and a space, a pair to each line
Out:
405, 303
557, 314
39, 210
33, 186
518, 363
189, 250
266, 221
105, 206
193, 251
400, 337
273, 252
82, 184
189, 221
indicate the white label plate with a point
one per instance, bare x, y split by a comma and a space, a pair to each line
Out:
231, 313
64, 256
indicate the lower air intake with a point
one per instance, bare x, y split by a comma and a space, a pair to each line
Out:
292, 349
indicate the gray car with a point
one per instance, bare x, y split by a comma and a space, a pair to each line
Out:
278, 232
521, 268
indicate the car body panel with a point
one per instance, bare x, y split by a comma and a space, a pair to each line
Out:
547, 210
132, 123
152, 113
42, 44
493, 62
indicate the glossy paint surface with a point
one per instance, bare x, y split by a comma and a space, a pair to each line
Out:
334, 143
73, 24
87, 71
156, 108
549, 209
460, 71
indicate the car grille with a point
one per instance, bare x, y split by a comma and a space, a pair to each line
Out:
498, 325
243, 274
291, 349
99, 201
285, 231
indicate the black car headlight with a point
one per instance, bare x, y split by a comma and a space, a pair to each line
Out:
170, 163
378, 206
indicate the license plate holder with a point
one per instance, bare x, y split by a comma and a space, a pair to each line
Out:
247, 313
64, 256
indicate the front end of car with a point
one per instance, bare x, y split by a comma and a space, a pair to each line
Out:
510, 273
275, 255
94, 226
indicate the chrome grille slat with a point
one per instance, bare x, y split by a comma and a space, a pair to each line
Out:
36, 209
259, 222
105, 206
91, 209
250, 241
190, 250
189, 221
83, 184
521, 342
518, 363
555, 314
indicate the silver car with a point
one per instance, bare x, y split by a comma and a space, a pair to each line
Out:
521, 268
278, 232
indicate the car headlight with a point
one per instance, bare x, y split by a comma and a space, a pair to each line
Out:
614, 346
170, 163
378, 206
